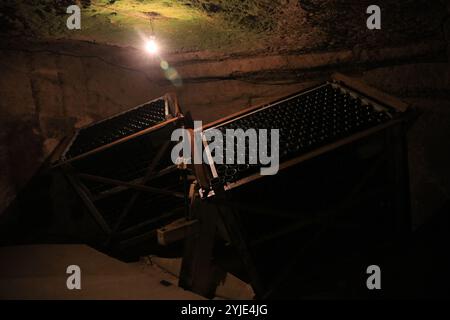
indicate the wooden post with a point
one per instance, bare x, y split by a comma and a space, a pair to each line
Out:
198, 272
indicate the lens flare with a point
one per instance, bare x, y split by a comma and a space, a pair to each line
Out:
164, 65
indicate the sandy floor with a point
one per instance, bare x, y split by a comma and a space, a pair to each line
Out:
39, 272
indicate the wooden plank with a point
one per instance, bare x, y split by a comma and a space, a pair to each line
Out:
139, 187
176, 231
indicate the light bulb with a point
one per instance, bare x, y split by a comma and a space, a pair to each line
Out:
151, 46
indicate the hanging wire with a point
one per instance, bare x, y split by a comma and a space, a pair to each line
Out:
151, 25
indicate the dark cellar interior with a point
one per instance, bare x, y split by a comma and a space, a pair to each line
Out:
356, 107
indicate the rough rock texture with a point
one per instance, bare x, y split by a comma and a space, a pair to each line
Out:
328, 24
266, 25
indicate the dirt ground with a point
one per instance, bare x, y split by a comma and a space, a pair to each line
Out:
39, 272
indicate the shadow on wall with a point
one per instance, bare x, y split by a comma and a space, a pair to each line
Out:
21, 151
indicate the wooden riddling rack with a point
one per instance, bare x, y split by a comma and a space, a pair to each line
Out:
121, 169
343, 182
343, 171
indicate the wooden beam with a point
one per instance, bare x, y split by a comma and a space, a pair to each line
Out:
176, 231
115, 190
130, 185
136, 195
98, 217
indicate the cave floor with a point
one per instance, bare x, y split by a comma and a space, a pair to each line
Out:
39, 272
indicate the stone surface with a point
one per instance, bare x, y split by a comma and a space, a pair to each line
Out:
39, 272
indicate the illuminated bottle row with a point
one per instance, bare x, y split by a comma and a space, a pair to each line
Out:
306, 122
118, 127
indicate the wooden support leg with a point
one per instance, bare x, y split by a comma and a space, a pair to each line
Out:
198, 273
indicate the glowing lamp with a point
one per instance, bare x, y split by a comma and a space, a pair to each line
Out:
151, 46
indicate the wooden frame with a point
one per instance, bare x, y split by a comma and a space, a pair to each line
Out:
217, 212
76, 178
172, 112
351, 85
